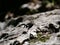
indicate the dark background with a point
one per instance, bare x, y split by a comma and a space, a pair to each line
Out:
14, 5
10, 6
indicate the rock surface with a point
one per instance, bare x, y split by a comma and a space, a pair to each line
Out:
28, 27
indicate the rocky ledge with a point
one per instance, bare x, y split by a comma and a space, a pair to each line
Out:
38, 29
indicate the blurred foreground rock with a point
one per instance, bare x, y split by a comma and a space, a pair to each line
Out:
24, 30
